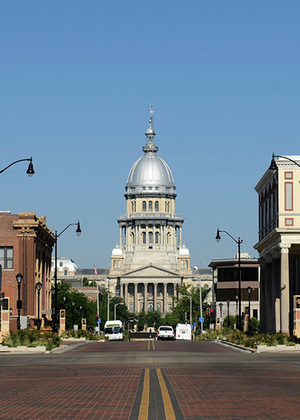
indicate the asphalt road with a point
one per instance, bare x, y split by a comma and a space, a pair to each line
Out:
150, 380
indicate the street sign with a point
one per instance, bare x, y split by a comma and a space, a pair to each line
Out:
99, 321
201, 319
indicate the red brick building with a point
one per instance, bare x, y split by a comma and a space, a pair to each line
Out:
26, 245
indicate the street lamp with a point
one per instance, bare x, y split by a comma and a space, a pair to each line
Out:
238, 242
56, 236
30, 170
19, 278
115, 309
200, 300
38, 288
73, 313
236, 306
108, 284
273, 166
249, 290
221, 313
228, 303
189, 296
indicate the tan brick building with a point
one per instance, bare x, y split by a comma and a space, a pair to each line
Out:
26, 245
279, 245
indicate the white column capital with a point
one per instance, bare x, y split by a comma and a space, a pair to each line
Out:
284, 248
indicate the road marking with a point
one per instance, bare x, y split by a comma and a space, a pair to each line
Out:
170, 415
144, 407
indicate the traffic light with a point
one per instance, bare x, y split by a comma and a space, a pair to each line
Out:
207, 315
97, 319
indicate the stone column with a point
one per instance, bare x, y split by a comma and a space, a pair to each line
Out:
121, 289
284, 288
154, 296
145, 297
121, 237
136, 297
165, 298
126, 293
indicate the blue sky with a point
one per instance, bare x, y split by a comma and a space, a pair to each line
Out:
76, 81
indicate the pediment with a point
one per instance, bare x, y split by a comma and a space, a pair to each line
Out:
151, 271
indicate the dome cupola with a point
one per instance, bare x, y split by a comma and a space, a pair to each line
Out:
150, 175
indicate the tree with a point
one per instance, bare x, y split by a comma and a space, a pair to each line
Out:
77, 306
182, 309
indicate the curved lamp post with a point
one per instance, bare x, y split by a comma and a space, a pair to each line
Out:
191, 307
19, 278
38, 288
238, 241
56, 236
274, 167
115, 309
30, 170
249, 290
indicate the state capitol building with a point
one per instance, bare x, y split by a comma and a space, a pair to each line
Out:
150, 258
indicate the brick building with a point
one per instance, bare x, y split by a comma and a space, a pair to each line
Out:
26, 245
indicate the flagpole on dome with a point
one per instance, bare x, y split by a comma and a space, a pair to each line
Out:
152, 108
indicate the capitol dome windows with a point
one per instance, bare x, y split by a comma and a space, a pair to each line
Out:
156, 206
157, 237
150, 208
150, 237
144, 206
144, 237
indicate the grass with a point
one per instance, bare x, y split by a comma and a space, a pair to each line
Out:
242, 339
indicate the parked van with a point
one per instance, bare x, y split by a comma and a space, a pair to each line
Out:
183, 332
113, 330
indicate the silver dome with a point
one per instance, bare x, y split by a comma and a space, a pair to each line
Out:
150, 174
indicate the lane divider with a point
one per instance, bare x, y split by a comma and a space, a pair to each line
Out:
144, 407
169, 411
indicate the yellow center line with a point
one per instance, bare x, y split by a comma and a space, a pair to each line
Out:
153, 345
170, 415
144, 407
148, 346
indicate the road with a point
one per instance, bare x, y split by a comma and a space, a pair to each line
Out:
141, 380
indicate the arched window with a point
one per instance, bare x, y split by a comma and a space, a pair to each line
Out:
150, 237
186, 264
144, 237
133, 207
144, 206
167, 207
150, 206
157, 237
114, 263
156, 206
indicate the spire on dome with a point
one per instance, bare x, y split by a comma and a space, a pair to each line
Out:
150, 133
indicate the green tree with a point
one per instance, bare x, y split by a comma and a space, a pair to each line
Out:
77, 306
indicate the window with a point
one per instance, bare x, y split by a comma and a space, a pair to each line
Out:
144, 206
156, 206
150, 206
167, 206
61, 264
7, 256
150, 238
144, 237
65, 272
157, 237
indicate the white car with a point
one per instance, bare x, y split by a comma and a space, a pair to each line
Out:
165, 332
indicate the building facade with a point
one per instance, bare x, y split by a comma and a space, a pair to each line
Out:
151, 257
26, 245
226, 286
279, 244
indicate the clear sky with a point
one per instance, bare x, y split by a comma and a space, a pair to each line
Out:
76, 79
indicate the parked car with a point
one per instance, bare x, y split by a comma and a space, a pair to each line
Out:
165, 332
